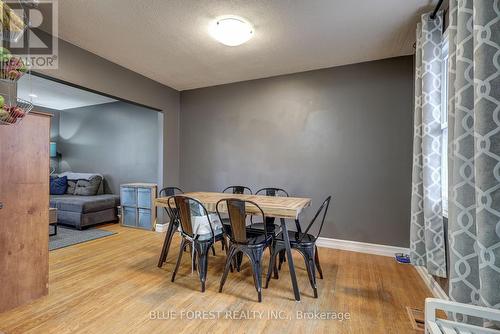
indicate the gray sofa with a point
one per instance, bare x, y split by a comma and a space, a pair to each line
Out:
81, 211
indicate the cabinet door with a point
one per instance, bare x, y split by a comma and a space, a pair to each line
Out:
129, 216
144, 198
128, 196
144, 220
24, 216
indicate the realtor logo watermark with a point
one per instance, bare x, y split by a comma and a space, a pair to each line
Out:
38, 46
249, 315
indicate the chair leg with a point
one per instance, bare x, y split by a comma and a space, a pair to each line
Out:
282, 258
166, 244
224, 246
255, 259
231, 252
181, 250
316, 261
272, 265
258, 275
275, 265
193, 254
311, 270
202, 250
239, 260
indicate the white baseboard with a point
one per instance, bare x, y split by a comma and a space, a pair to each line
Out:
431, 283
361, 247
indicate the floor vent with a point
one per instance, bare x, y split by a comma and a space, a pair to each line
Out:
417, 319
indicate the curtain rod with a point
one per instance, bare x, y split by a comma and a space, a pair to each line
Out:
433, 15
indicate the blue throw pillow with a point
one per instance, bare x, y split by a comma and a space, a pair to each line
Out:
58, 185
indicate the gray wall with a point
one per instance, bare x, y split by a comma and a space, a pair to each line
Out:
54, 130
344, 131
86, 69
54, 121
118, 140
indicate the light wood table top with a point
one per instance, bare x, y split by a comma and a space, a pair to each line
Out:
281, 207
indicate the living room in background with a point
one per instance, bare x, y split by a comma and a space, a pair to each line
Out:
98, 142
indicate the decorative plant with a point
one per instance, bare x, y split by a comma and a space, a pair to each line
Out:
11, 67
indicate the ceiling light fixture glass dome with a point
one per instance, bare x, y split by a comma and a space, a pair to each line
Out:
231, 30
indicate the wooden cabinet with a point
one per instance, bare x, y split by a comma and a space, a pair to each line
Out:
24, 216
137, 203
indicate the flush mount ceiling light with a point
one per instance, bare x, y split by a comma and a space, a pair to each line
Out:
231, 30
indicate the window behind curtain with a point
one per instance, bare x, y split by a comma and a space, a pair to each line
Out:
444, 127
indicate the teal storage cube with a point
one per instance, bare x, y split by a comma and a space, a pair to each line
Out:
129, 216
144, 197
144, 219
128, 196
137, 203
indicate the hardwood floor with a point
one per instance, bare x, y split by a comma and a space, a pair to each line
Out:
111, 285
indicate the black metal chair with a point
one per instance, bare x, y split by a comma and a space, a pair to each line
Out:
173, 224
270, 224
275, 228
190, 233
270, 191
305, 244
238, 190
244, 240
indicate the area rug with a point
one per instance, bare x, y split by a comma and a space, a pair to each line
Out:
67, 237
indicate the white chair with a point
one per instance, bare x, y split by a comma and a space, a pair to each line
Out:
434, 325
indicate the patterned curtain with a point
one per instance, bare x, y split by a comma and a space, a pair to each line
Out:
427, 243
474, 152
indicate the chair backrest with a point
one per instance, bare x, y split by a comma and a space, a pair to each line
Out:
188, 207
167, 192
270, 191
170, 191
237, 210
238, 190
323, 208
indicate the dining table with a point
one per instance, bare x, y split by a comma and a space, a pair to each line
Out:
282, 208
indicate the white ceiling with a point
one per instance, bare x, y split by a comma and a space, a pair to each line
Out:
53, 95
168, 40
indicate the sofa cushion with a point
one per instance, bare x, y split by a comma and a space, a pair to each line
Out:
88, 187
84, 204
75, 177
71, 187
58, 185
